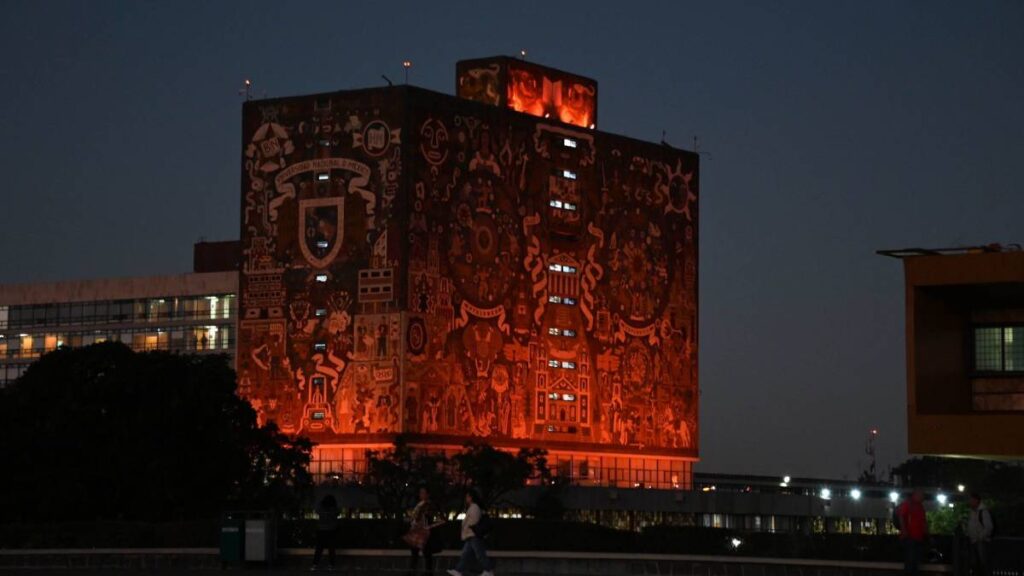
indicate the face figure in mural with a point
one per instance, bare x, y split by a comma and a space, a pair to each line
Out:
578, 105
525, 92
482, 342
480, 84
434, 141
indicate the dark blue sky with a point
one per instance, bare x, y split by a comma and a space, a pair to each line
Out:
833, 129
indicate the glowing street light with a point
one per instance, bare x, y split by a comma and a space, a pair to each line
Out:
786, 479
855, 494
941, 498
825, 494
894, 496
736, 542
960, 487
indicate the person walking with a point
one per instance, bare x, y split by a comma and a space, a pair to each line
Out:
422, 538
326, 530
472, 539
979, 533
913, 528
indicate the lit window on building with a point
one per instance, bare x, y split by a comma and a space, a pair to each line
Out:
562, 205
322, 244
553, 363
999, 349
321, 277
568, 365
323, 176
569, 397
321, 312
320, 346
568, 143
567, 332
568, 301
554, 299
568, 174
565, 268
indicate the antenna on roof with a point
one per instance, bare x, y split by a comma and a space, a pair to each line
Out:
386, 79
246, 90
406, 64
696, 148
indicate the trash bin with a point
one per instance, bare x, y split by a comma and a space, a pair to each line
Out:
232, 538
260, 537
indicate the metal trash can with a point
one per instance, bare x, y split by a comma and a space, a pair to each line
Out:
260, 537
232, 538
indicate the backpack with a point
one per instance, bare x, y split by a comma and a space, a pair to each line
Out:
484, 527
990, 524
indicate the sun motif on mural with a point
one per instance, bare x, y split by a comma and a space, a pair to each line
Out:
639, 278
482, 243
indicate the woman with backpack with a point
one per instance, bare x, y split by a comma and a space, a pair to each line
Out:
474, 527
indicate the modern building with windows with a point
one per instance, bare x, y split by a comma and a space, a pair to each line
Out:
483, 266
965, 350
194, 312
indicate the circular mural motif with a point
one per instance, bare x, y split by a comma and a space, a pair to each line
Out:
416, 337
640, 275
482, 246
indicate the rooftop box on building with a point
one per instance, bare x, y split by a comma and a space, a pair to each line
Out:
529, 88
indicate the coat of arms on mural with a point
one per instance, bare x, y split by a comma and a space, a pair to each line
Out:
321, 227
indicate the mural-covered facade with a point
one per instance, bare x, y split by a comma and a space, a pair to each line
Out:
419, 263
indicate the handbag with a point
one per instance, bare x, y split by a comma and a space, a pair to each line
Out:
417, 536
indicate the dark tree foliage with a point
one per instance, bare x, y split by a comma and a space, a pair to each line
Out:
495, 473
101, 432
396, 474
991, 477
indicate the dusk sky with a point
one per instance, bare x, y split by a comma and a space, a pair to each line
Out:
827, 131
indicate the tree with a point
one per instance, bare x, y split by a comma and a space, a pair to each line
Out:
495, 473
395, 475
103, 432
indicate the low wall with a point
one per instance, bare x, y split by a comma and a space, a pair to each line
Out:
508, 563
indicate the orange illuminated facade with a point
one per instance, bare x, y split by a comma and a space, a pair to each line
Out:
478, 267
529, 88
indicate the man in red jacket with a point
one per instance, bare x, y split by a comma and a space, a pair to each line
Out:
913, 527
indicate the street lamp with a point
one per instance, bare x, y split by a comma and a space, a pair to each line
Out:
855, 494
941, 498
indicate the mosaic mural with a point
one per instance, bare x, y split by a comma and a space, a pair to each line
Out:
418, 263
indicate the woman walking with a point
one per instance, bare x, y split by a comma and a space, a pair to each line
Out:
326, 530
473, 546
422, 536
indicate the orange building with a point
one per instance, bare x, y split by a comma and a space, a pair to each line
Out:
488, 266
965, 350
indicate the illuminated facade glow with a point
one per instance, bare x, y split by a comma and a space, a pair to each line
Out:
466, 272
